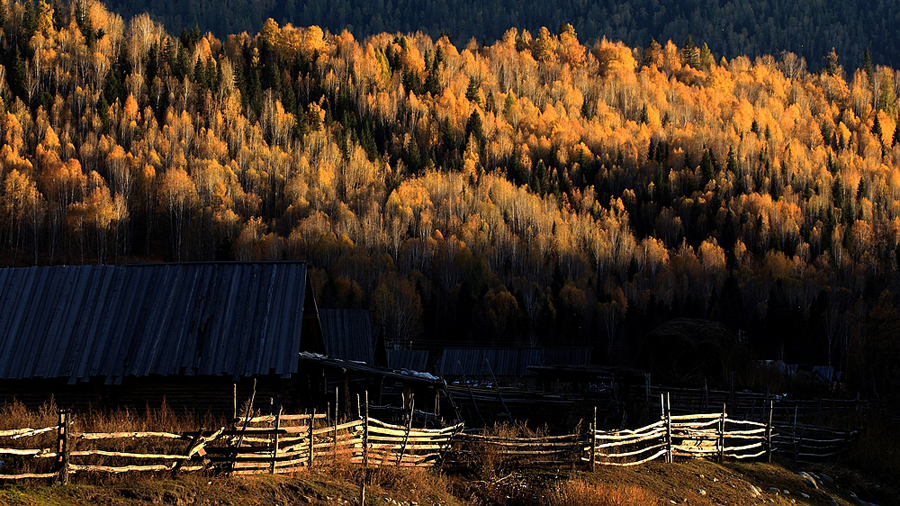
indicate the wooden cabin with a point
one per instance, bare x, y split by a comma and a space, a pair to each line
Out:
135, 335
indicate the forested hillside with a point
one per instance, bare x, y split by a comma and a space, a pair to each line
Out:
533, 191
731, 28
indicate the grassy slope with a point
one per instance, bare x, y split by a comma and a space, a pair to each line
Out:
655, 483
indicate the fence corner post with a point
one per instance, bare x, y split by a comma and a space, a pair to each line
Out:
722, 434
275, 446
769, 433
62, 445
593, 435
312, 451
668, 411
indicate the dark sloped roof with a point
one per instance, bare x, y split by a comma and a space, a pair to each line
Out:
413, 360
348, 334
230, 318
508, 361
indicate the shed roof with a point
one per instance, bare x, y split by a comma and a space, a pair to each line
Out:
413, 360
508, 361
114, 321
348, 334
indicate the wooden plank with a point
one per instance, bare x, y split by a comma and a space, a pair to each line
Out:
26, 432
131, 435
632, 453
655, 432
119, 469
658, 454
26, 476
105, 453
284, 418
37, 452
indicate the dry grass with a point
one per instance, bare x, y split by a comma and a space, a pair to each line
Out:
15, 415
576, 492
485, 460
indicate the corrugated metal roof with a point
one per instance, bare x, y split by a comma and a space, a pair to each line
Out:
114, 321
348, 334
507, 361
413, 360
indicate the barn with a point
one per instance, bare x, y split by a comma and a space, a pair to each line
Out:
191, 334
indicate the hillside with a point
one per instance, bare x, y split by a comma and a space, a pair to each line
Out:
731, 28
695, 482
535, 190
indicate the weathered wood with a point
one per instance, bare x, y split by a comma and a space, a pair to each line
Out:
661, 431
284, 418
669, 457
275, 449
658, 454
134, 435
412, 404
25, 432
769, 433
119, 469
25, 476
366, 434
699, 416
63, 445
488, 439
721, 440
335, 439
312, 453
246, 420
593, 428
196, 440
633, 452
614, 444
107, 453
36, 452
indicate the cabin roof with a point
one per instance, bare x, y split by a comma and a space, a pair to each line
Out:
115, 321
507, 361
412, 360
348, 334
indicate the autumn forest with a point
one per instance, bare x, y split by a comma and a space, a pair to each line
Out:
542, 189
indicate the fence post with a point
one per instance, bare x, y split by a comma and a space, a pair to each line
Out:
365, 474
769, 433
795, 442
335, 438
669, 457
275, 449
62, 445
312, 453
412, 408
722, 434
366, 434
593, 432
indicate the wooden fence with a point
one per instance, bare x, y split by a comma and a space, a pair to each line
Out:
286, 443
276, 444
519, 451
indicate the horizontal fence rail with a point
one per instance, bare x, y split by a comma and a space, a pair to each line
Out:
287, 443
274, 444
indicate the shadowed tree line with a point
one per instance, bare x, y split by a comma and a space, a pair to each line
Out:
533, 191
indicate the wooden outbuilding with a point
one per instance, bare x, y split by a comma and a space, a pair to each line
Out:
189, 334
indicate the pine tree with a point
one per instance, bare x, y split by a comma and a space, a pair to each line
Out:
690, 57
474, 126
472, 91
706, 57
833, 68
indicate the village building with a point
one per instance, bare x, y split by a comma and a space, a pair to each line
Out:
187, 334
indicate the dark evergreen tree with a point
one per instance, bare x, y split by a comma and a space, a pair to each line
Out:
474, 126
690, 57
